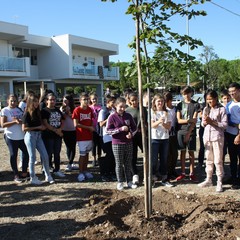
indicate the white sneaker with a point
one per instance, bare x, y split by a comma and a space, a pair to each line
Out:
74, 167
81, 177
17, 179
165, 183
206, 183
219, 187
88, 175
131, 185
120, 186
68, 168
135, 179
50, 179
59, 174
35, 181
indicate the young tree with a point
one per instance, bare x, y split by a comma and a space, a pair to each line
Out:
151, 19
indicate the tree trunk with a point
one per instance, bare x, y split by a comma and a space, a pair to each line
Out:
143, 129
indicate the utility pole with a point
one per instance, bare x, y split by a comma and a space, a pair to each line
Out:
187, 28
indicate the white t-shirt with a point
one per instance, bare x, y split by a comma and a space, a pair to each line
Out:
22, 105
234, 110
160, 132
15, 131
101, 117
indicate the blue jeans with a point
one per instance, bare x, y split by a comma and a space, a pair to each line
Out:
53, 147
13, 146
160, 150
33, 141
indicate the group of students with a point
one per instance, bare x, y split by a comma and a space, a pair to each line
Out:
220, 130
116, 129
40, 125
173, 128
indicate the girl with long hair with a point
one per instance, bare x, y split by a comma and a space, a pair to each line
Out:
215, 122
11, 121
69, 131
32, 125
161, 124
122, 128
96, 149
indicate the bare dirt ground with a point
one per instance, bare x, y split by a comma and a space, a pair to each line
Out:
96, 210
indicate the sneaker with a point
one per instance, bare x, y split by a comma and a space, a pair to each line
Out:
105, 179
68, 168
113, 178
59, 174
193, 178
88, 175
228, 180
25, 177
206, 183
235, 187
135, 179
120, 186
131, 185
49, 179
181, 177
74, 167
35, 181
219, 187
166, 183
17, 179
81, 177
94, 163
154, 178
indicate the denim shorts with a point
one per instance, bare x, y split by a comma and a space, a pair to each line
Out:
190, 145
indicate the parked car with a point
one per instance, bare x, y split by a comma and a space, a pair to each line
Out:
198, 97
177, 99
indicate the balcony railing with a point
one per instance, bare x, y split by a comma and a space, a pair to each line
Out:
99, 71
12, 64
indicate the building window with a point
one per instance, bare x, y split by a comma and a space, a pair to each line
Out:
33, 57
91, 61
26, 52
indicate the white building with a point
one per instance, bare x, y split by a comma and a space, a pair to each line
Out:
30, 62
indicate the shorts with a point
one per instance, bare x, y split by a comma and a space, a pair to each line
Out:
190, 145
84, 147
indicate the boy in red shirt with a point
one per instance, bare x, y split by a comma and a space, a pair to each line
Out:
82, 117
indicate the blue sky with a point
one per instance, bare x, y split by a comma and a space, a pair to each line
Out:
108, 22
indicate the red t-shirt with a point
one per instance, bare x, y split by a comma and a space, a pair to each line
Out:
84, 117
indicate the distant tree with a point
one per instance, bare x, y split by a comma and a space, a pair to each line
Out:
78, 90
233, 71
69, 90
207, 57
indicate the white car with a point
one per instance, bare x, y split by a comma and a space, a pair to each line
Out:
198, 97
177, 99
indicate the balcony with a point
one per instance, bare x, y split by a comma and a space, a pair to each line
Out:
14, 67
96, 71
